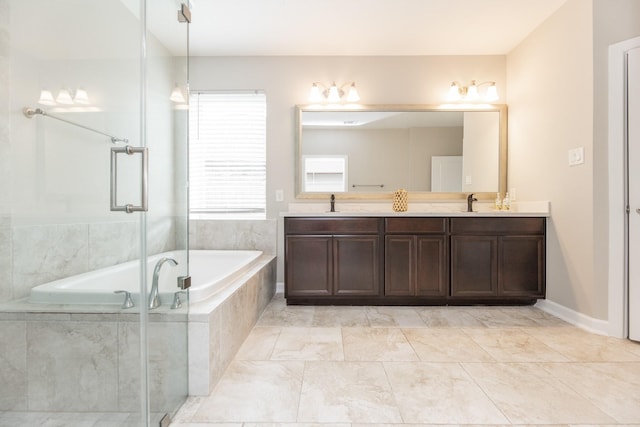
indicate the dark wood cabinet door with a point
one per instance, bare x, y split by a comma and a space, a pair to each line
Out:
474, 266
356, 265
309, 266
432, 266
399, 265
521, 266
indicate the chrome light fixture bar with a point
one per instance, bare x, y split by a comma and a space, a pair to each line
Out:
471, 93
333, 94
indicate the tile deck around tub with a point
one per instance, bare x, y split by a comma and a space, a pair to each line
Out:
418, 366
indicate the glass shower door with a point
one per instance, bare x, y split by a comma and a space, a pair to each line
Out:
88, 70
166, 135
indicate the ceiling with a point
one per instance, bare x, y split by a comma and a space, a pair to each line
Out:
360, 27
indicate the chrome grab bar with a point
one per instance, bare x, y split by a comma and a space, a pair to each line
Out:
144, 203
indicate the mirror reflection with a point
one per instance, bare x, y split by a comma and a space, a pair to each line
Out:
378, 150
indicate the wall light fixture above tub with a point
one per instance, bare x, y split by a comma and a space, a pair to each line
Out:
333, 94
64, 97
471, 93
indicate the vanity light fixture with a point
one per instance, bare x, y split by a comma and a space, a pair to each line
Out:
470, 93
64, 97
333, 94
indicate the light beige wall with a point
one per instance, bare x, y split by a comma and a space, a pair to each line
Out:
550, 80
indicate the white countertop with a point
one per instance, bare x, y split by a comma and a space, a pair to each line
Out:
454, 209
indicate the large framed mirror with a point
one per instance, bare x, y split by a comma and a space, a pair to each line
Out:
434, 152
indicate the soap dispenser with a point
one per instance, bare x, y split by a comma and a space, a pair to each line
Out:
498, 205
506, 203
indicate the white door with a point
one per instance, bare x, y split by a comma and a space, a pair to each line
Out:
633, 123
446, 174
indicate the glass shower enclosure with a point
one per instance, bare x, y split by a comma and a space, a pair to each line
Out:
93, 183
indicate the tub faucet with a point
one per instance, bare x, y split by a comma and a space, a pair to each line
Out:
470, 200
154, 296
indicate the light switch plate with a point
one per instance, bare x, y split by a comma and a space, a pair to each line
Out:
576, 156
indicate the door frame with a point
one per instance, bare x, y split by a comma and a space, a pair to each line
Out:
618, 308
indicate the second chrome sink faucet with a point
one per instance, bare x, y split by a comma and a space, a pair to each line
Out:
470, 200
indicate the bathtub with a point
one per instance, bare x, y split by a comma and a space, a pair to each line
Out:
210, 271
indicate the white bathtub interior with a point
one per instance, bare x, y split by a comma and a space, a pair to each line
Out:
210, 271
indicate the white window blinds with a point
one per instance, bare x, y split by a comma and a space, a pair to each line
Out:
227, 154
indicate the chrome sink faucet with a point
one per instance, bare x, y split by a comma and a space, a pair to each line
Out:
470, 200
154, 296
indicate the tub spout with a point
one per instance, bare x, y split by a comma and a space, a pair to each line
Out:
154, 296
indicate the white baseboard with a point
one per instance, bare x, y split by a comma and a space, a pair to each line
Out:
580, 320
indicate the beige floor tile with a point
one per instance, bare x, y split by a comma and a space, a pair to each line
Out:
347, 392
527, 394
448, 317
376, 344
440, 393
309, 344
445, 345
345, 316
394, 316
582, 346
280, 314
612, 387
254, 391
506, 317
259, 344
513, 345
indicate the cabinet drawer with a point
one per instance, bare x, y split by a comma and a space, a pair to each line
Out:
415, 225
332, 225
497, 226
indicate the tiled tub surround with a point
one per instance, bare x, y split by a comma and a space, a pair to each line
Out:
88, 361
101, 344
46, 252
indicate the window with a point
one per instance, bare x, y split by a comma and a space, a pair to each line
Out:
227, 155
325, 173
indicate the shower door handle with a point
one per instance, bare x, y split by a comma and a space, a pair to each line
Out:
144, 202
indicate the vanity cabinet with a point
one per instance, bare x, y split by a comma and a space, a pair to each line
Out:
416, 260
333, 257
398, 260
501, 258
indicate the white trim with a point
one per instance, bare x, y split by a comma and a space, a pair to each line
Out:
575, 318
617, 306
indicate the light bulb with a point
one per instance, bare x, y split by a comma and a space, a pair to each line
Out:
492, 93
352, 95
177, 96
46, 98
315, 95
334, 94
81, 97
472, 92
64, 97
454, 92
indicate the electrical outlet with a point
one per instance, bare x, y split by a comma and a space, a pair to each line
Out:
576, 156
512, 194
279, 195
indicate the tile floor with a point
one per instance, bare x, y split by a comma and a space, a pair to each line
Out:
417, 366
